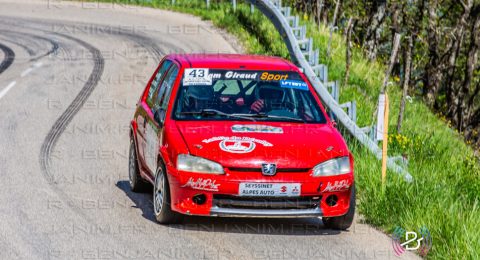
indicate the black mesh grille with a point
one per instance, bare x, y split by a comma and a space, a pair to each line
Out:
227, 201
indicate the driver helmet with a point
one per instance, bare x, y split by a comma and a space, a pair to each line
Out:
270, 92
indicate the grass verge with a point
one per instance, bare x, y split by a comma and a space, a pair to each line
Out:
444, 196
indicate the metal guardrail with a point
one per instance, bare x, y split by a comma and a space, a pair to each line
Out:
303, 54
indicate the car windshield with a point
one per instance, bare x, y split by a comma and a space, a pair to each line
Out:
207, 94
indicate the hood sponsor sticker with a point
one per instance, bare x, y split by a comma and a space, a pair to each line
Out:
257, 129
197, 77
201, 184
337, 186
236, 144
295, 84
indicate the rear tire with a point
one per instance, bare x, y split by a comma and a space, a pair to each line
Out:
137, 184
161, 199
345, 221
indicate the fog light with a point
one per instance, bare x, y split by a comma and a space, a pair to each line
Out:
199, 199
331, 200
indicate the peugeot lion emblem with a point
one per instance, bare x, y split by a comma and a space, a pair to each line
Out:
269, 169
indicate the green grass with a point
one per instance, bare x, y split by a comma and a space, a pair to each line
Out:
444, 195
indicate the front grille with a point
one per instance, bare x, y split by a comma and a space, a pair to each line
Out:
227, 201
242, 169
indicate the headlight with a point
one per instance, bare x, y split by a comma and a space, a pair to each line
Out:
332, 167
191, 163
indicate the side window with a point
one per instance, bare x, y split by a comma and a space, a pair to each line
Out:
166, 88
156, 81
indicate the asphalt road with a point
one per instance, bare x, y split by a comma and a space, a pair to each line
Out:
70, 75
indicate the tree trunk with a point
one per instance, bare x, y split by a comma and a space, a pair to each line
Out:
433, 75
475, 37
393, 57
455, 95
373, 31
395, 19
450, 89
326, 6
337, 10
406, 83
469, 70
319, 12
348, 52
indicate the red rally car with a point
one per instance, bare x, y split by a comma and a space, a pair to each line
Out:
236, 135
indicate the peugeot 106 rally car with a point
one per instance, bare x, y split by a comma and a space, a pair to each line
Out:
236, 135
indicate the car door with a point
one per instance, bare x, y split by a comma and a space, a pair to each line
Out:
144, 108
154, 126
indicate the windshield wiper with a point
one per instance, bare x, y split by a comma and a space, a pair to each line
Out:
263, 115
214, 112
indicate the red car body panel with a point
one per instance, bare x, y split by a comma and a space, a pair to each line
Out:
296, 151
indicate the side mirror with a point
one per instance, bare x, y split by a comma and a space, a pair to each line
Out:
158, 116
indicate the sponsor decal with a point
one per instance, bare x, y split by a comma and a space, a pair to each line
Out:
337, 186
267, 76
236, 144
295, 84
201, 184
269, 189
296, 190
197, 77
403, 240
240, 75
205, 76
257, 129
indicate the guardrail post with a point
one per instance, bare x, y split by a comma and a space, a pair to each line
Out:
354, 111
252, 8
334, 90
208, 4
234, 3
173, 2
325, 75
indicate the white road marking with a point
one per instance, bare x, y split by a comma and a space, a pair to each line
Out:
27, 71
24, 73
5, 90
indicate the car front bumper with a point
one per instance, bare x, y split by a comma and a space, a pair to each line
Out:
222, 199
273, 213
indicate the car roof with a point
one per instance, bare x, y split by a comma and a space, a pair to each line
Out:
233, 61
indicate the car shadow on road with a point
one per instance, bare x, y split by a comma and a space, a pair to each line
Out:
260, 226
143, 201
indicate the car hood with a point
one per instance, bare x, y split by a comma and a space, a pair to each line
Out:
249, 144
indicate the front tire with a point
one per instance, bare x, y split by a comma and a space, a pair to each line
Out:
161, 199
345, 221
137, 184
